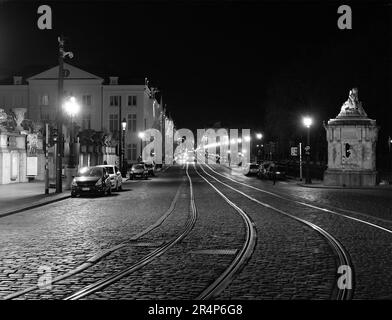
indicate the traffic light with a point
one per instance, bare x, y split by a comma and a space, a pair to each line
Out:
53, 135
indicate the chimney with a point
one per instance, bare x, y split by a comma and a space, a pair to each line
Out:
113, 80
17, 80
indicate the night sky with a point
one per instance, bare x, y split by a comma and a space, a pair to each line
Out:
255, 65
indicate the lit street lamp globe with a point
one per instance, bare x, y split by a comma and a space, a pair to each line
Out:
141, 135
71, 106
307, 121
259, 136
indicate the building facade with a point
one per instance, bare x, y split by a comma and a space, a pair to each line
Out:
103, 104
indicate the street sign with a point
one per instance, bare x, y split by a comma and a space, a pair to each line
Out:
307, 148
294, 151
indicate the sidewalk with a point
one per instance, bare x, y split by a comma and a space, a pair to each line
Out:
16, 197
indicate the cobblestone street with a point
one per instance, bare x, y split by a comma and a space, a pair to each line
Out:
184, 234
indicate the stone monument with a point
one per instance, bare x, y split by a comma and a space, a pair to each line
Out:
19, 117
352, 138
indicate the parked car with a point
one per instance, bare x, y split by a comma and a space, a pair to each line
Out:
115, 176
280, 172
91, 180
268, 169
150, 168
138, 170
250, 169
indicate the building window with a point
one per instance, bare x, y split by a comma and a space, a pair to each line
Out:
131, 152
113, 122
132, 122
43, 100
87, 100
45, 116
86, 121
115, 101
132, 101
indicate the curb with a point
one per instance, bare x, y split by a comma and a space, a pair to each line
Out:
37, 204
342, 188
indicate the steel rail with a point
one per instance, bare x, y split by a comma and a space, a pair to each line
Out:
342, 255
97, 257
101, 284
377, 226
241, 258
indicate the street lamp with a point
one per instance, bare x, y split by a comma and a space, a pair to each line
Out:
141, 136
59, 118
71, 107
124, 126
259, 136
307, 121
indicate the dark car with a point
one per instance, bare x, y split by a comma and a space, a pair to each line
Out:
91, 180
267, 170
138, 170
280, 172
150, 169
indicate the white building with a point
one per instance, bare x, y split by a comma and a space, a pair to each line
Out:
103, 104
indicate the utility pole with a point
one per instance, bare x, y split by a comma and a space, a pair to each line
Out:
59, 120
308, 179
300, 161
59, 162
119, 135
46, 159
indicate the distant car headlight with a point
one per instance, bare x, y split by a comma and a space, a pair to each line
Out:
74, 184
278, 172
99, 183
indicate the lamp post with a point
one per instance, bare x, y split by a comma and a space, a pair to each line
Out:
124, 126
141, 136
259, 136
307, 121
390, 156
59, 118
71, 107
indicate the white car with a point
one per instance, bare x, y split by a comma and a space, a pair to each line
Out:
115, 176
250, 169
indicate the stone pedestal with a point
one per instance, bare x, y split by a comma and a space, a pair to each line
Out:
352, 138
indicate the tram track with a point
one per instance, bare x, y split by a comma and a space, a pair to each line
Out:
107, 281
240, 259
102, 254
302, 203
343, 257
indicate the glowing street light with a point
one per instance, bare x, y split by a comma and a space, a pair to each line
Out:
122, 153
307, 121
72, 108
141, 136
259, 136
